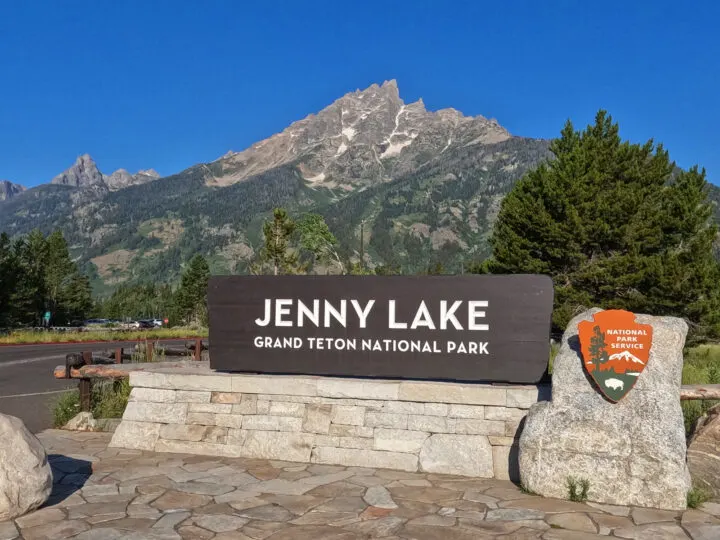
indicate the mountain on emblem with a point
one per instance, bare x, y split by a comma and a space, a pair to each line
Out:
626, 355
615, 351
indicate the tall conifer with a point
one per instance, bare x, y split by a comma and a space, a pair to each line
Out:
616, 226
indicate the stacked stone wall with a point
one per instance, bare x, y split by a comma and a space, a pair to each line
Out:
451, 428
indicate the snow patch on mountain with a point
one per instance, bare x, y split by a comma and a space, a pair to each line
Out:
626, 356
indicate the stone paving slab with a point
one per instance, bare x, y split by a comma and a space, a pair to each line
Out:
105, 493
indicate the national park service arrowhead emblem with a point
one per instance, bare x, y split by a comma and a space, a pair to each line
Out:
615, 351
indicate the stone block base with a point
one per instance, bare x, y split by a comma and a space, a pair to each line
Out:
450, 428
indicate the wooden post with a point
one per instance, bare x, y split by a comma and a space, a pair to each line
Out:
85, 388
119, 355
149, 349
198, 349
85, 385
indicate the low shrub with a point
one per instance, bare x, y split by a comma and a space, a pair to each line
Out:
109, 399
65, 408
574, 494
696, 496
701, 366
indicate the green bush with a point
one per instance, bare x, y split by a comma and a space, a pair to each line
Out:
701, 366
696, 496
109, 399
573, 484
66, 407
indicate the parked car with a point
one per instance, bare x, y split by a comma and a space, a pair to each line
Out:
141, 324
95, 322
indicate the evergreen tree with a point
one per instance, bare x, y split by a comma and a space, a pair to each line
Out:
598, 354
278, 256
190, 302
317, 239
8, 280
615, 228
75, 299
141, 301
388, 270
59, 272
28, 298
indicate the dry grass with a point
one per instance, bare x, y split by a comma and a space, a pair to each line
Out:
22, 337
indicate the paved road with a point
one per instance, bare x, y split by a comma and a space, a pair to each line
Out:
27, 386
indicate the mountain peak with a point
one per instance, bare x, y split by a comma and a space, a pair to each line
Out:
8, 190
122, 178
83, 173
152, 173
364, 137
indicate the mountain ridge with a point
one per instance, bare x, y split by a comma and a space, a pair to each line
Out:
424, 187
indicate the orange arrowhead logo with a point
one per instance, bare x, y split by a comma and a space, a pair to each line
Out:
615, 351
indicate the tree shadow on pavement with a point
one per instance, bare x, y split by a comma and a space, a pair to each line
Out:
69, 476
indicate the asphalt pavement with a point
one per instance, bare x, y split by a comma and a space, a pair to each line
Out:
28, 389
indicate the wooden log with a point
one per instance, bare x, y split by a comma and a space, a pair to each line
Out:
699, 391
116, 371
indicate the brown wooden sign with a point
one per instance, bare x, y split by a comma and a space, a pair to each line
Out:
466, 328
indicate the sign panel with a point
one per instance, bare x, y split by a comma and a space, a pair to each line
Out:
465, 328
615, 351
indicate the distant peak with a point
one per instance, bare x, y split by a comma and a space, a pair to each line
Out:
392, 83
85, 158
8, 190
83, 173
150, 172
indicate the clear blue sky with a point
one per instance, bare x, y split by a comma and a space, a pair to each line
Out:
167, 84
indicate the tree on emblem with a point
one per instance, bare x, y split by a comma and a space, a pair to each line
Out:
598, 354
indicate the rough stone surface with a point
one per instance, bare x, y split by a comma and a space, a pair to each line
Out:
452, 393
166, 413
83, 421
453, 454
505, 463
144, 495
191, 409
704, 451
135, 435
632, 452
364, 458
278, 445
25, 475
8, 531
379, 497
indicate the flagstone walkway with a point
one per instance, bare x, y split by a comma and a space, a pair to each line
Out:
107, 494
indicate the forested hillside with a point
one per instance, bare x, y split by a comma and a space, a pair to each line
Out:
417, 187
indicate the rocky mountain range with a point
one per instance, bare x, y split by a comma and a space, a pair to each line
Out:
418, 187
85, 173
8, 190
